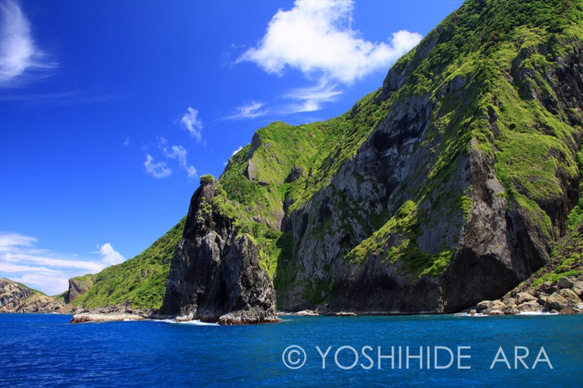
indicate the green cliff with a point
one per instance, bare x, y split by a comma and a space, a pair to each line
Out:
451, 184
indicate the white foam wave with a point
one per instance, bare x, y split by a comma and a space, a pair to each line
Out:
197, 323
192, 323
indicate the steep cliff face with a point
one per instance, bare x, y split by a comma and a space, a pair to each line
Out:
449, 185
473, 166
77, 287
215, 274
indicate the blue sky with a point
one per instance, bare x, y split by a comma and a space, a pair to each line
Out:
110, 111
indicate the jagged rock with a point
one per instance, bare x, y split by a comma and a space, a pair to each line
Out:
524, 297
558, 302
16, 298
578, 288
570, 296
548, 288
483, 305
511, 310
77, 287
496, 308
530, 306
12, 296
509, 302
215, 274
564, 283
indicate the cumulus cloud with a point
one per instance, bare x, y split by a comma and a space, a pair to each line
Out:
46, 270
157, 170
19, 56
249, 111
109, 255
316, 38
191, 122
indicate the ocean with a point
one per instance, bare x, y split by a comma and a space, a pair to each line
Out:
398, 351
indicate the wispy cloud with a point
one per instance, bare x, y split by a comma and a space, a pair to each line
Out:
20, 59
310, 99
158, 170
46, 270
60, 98
317, 39
249, 111
178, 153
192, 123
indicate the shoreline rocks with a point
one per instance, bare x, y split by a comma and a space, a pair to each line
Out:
563, 296
96, 318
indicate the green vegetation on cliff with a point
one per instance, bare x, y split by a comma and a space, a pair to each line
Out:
487, 89
140, 280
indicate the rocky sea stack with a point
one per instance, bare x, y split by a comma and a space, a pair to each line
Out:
215, 275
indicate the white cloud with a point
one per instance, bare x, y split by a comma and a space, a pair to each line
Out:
178, 153
18, 53
192, 123
46, 270
316, 38
309, 99
9, 240
237, 150
249, 111
109, 255
157, 170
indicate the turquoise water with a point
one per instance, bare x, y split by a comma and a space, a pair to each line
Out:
45, 350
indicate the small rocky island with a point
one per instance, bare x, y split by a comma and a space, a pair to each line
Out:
215, 275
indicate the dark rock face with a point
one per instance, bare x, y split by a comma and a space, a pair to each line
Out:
215, 274
77, 287
495, 243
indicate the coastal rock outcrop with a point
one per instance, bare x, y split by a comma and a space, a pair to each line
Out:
77, 287
215, 275
555, 288
17, 298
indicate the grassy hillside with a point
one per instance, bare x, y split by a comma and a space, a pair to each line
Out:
140, 280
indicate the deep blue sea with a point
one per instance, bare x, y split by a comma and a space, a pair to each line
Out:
423, 351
